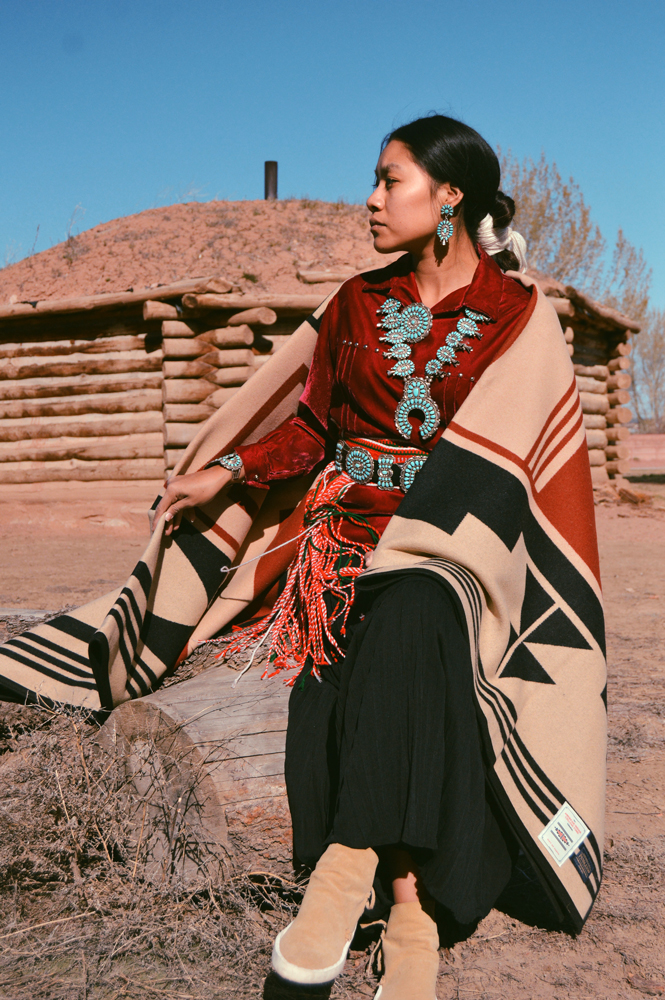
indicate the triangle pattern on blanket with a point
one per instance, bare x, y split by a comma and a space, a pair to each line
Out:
558, 630
513, 637
523, 664
536, 601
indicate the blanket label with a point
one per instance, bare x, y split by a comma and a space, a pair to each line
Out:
564, 834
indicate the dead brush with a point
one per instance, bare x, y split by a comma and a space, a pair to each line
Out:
109, 890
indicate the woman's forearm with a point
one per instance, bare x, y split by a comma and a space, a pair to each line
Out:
292, 450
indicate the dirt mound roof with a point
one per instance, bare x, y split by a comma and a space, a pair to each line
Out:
256, 244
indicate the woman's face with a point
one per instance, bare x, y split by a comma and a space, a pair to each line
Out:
404, 210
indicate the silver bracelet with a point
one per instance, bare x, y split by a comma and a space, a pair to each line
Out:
231, 462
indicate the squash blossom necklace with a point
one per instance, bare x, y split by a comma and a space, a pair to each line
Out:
407, 325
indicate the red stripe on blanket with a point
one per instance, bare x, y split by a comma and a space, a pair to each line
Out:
548, 459
562, 402
493, 446
216, 529
567, 507
570, 508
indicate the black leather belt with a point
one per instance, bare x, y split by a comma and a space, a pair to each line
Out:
379, 469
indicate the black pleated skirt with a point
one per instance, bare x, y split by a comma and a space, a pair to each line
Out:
386, 750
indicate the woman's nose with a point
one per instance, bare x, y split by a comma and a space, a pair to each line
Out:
375, 201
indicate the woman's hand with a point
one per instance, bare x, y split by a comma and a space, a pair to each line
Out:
190, 491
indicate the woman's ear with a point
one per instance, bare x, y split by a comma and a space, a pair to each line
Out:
450, 194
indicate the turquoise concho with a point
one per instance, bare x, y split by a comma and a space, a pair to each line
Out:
359, 465
385, 472
408, 472
405, 324
416, 322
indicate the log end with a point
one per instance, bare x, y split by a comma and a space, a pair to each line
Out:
218, 752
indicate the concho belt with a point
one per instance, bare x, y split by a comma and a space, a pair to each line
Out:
385, 464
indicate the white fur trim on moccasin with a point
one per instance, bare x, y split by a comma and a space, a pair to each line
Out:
305, 977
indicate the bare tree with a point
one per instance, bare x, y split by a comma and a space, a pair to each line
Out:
649, 373
628, 282
563, 241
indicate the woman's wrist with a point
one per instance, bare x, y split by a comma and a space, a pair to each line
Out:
232, 463
222, 475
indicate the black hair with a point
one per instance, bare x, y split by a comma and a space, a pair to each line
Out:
450, 151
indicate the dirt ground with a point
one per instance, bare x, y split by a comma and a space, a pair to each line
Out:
68, 543
58, 549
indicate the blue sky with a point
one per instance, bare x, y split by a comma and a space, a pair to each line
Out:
119, 106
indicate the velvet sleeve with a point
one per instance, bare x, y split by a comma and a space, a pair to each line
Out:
299, 444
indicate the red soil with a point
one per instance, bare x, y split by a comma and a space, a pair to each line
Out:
256, 244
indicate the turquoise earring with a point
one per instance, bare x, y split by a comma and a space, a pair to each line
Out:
445, 228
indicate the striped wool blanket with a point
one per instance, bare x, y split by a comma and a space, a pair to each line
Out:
501, 513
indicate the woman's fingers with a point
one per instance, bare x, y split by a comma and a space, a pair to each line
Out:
168, 505
193, 490
171, 494
174, 514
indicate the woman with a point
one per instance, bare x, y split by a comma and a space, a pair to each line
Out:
385, 760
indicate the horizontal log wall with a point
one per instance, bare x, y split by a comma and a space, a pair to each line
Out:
114, 387
600, 354
211, 353
81, 396
618, 382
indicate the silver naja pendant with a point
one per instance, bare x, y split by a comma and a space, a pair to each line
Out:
417, 397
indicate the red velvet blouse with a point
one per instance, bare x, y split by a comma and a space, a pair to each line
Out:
348, 390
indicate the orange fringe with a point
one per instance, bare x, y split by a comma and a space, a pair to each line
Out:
300, 624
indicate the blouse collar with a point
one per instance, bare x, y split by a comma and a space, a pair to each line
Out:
482, 295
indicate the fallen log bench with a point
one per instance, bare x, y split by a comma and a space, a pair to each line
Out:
207, 758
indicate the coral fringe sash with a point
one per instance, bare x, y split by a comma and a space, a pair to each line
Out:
301, 625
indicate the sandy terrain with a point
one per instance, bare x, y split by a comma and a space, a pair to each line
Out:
67, 543
57, 550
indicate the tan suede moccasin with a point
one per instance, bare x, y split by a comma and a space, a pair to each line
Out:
313, 948
410, 954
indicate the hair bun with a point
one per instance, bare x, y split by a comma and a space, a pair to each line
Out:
498, 238
503, 210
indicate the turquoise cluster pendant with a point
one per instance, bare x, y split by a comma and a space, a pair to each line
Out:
407, 325
417, 398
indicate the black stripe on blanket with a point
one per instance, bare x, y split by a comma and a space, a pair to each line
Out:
43, 641
206, 559
72, 627
20, 652
24, 644
459, 483
316, 321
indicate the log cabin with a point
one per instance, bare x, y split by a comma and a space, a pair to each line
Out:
113, 386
